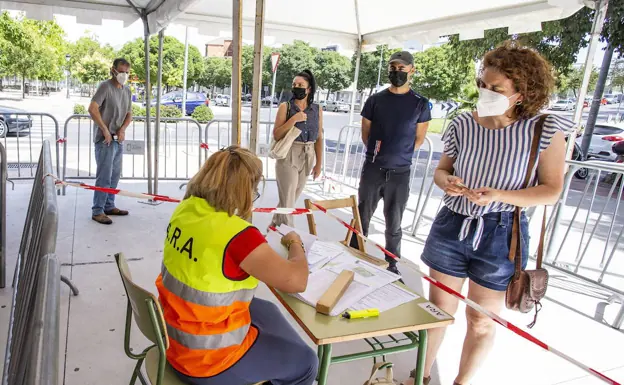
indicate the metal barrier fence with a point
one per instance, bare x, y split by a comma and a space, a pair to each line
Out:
3, 179
180, 153
345, 159
23, 134
218, 134
595, 259
38, 240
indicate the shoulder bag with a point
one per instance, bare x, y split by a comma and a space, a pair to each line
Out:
527, 287
387, 380
280, 148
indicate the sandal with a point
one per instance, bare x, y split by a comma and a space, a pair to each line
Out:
117, 212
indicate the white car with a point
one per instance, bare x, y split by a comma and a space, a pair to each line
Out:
563, 105
335, 106
222, 100
602, 141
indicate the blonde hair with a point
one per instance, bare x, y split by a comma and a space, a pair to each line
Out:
227, 181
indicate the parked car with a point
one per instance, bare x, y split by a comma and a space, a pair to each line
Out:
323, 104
222, 100
563, 105
335, 106
601, 145
193, 100
266, 101
12, 120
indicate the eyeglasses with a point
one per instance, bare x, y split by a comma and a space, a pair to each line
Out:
256, 196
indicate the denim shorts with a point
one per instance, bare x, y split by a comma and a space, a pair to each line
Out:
489, 265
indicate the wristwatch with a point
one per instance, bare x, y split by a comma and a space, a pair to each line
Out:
290, 243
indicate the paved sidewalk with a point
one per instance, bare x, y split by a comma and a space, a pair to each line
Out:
93, 322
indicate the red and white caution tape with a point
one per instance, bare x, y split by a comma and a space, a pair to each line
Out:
164, 198
496, 318
299, 211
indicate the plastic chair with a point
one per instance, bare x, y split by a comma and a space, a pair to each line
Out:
148, 316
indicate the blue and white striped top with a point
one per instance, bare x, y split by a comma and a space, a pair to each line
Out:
495, 158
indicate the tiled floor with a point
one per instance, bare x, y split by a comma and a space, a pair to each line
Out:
93, 322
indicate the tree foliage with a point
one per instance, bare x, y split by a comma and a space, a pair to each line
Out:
333, 71
88, 46
439, 75
93, 69
173, 60
572, 80
31, 48
217, 72
295, 58
247, 66
617, 75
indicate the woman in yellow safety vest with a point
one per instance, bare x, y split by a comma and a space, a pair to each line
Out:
213, 259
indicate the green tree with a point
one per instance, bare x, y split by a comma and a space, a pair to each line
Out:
333, 71
439, 75
86, 47
294, 58
559, 40
93, 69
49, 49
617, 75
173, 61
247, 66
217, 72
573, 80
20, 48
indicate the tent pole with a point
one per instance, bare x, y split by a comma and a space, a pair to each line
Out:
148, 104
599, 18
257, 76
357, 61
237, 42
161, 37
185, 76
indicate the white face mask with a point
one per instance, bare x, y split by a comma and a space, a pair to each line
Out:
492, 103
122, 78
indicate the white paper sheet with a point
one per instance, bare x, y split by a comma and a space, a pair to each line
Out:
322, 252
385, 298
307, 238
367, 279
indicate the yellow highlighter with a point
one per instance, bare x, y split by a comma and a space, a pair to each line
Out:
361, 313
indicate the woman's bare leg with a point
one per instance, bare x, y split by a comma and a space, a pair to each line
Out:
481, 330
446, 302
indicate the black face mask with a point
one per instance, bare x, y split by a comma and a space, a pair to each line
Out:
397, 78
299, 93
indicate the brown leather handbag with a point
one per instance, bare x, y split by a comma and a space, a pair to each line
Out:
527, 287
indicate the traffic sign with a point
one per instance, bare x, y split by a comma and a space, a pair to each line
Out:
275, 56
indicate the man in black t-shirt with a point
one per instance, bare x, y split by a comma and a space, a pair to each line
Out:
394, 123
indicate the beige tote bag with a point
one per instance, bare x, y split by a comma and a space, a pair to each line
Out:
387, 380
280, 148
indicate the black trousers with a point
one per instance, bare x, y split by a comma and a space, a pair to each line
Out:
391, 185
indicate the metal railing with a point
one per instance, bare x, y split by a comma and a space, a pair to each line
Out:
218, 134
595, 217
3, 180
35, 361
345, 159
38, 240
180, 154
22, 134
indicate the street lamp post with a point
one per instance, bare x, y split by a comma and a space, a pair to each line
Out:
67, 57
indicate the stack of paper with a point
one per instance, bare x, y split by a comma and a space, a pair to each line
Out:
385, 298
368, 278
318, 253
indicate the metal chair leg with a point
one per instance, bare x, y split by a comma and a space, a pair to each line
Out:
71, 285
137, 372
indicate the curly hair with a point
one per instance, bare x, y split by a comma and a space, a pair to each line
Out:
531, 74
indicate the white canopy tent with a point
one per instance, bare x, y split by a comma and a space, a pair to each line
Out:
353, 24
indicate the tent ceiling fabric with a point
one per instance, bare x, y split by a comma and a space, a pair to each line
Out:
327, 22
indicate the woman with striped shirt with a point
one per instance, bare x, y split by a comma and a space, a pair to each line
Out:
482, 171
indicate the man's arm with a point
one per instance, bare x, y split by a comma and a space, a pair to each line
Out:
421, 132
366, 127
94, 111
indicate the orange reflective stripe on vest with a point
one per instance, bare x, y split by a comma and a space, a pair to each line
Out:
207, 314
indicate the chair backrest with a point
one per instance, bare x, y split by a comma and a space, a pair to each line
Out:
138, 298
350, 202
